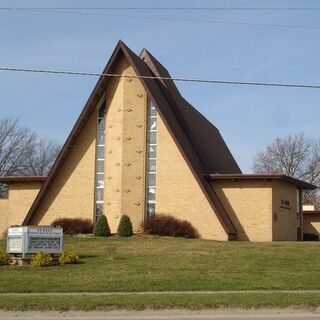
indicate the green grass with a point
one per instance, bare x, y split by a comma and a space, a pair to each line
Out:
148, 263
142, 302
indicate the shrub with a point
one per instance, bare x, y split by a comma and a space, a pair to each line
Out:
5, 259
74, 226
102, 228
111, 252
68, 257
310, 237
41, 259
166, 225
4, 233
125, 227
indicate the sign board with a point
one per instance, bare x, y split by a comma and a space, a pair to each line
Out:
30, 239
15, 245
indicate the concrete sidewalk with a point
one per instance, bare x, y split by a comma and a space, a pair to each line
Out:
124, 293
264, 314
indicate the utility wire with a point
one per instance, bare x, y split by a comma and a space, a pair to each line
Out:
231, 82
179, 19
170, 8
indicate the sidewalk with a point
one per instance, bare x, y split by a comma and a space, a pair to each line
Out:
152, 292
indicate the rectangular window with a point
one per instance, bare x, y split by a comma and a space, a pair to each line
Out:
151, 209
100, 155
101, 125
152, 137
152, 111
152, 193
100, 166
152, 151
151, 179
151, 160
152, 165
153, 124
100, 138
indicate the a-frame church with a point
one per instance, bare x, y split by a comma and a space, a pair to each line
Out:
139, 148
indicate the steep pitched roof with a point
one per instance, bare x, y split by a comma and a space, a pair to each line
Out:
177, 118
205, 137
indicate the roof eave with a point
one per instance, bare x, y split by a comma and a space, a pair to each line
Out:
15, 179
299, 183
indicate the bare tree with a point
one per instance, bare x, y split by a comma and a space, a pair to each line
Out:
22, 152
40, 158
15, 144
296, 155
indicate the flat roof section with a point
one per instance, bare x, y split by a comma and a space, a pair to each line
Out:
235, 177
313, 212
13, 179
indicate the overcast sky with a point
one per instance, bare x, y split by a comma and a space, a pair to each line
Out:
247, 117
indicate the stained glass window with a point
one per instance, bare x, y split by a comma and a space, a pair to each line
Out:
151, 160
100, 155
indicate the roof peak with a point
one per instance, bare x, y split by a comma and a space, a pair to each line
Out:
175, 113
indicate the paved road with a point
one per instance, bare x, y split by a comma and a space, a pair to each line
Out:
290, 314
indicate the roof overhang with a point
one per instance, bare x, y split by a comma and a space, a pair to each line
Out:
13, 179
236, 177
312, 212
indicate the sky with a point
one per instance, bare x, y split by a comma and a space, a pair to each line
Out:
248, 117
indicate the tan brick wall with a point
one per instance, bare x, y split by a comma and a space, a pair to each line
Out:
4, 215
21, 197
114, 151
178, 193
72, 191
134, 149
284, 219
14, 209
249, 205
311, 223
125, 149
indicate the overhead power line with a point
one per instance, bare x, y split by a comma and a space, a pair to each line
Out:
113, 75
239, 23
170, 8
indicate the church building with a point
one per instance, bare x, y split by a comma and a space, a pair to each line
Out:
139, 148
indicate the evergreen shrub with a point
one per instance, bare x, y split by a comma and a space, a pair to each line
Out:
125, 227
102, 228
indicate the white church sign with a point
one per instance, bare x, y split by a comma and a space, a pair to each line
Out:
29, 239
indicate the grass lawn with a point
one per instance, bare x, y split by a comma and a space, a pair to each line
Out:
142, 302
145, 263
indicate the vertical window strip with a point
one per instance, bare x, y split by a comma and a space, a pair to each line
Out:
151, 160
100, 155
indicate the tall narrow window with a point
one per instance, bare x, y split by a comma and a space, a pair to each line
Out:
151, 159
100, 155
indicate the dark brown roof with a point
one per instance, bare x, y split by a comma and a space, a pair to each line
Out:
12, 179
205, 138
299, 183
178, 117
315, 212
